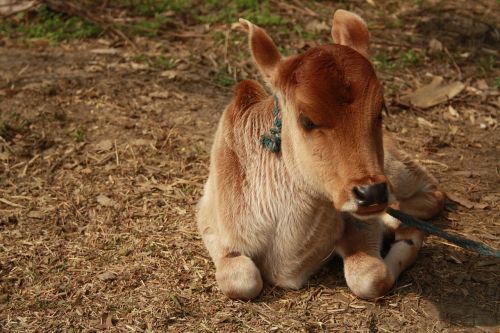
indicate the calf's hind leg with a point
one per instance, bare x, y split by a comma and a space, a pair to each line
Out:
415, 189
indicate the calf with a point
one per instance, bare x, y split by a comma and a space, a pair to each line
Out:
278, 215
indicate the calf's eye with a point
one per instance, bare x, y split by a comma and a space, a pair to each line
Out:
307, 123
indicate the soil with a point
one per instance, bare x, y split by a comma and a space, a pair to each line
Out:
103, 159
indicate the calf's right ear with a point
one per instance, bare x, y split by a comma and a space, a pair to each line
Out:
350, 30
264, 51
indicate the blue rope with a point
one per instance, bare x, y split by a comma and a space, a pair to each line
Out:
272, 140
465, 243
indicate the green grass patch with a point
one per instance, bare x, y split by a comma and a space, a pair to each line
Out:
148, 26
486, 64
50, 25
395, 23
223, 11
382, 62
223, 78
12, 125
411, 58
78, 135
152, 7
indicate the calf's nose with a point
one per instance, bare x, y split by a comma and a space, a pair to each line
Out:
373, 194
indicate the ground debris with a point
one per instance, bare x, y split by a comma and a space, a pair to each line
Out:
98, 229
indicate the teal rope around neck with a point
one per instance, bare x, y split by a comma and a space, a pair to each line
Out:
272, 140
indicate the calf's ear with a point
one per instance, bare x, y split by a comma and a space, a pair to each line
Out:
350, 30
264, 51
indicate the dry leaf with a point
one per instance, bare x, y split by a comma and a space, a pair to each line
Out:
94, 69
105, 51
36, 214
434, 93
11, 7
180, 211
453, 112
424, 122
107, 320
482, 84
466, 202
138, 67
4, 156
104, 145
317, 26
170, 74
4, 298
435, 46
142, 142
105, 201
107, 276
160, 94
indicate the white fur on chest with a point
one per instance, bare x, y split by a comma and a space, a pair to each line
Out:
289, 225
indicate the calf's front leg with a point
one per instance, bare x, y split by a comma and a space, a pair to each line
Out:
367, 274
237, 275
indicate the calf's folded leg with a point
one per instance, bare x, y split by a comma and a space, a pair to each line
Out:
367, 274
415, 189
237, 275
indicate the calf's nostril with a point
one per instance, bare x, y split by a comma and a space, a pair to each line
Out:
367, 195
360, 192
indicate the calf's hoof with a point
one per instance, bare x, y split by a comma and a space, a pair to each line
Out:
371, 279
239, 278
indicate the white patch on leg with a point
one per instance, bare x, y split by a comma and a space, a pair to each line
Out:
389, 221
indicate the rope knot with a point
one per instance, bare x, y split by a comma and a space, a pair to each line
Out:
272, 140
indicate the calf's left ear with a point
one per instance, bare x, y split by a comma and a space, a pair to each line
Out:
264, 51
350, 30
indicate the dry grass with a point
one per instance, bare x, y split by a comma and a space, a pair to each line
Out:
103, 161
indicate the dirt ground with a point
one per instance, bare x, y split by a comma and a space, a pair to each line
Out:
103, 158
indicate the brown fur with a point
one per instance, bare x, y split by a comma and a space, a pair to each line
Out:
278, 217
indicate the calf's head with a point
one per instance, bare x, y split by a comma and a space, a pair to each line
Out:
331, 103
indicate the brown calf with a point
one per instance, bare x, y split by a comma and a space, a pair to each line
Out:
278, 216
